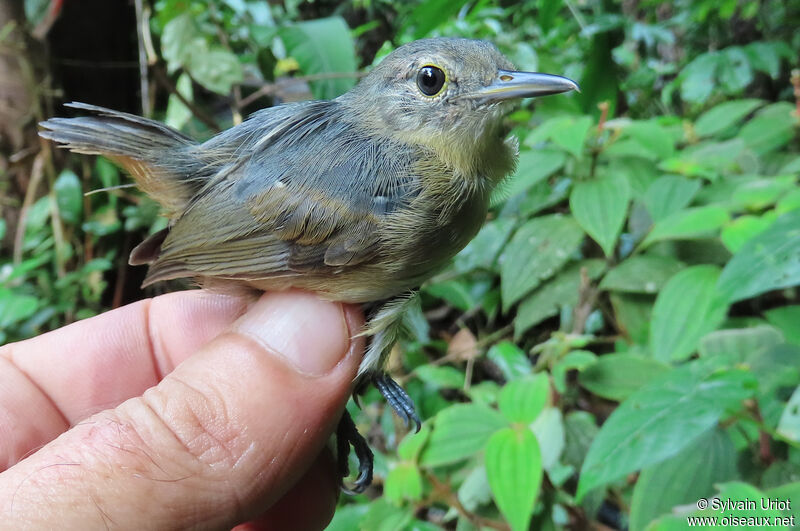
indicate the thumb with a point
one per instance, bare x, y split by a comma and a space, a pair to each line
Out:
217, 442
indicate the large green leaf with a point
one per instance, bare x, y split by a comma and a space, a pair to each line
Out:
184, 46
668, 195
768, 261
522, 400
684, 478
687, 308
689, 223
724, 115
617, 376
536, 252
459, 431
740, 343
69, 196
641, 274
533, 166
482, 251
599, 205
572, 134
786, 319
320, 46
561, 291
15, 307
514, 469
510, 360
404, 482
789, 425
771, 128
661, 419
632, 315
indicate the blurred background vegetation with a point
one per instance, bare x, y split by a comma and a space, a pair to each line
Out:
623, 336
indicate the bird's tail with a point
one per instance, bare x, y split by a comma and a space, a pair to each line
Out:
158, 157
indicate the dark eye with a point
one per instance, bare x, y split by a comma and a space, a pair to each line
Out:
430, 80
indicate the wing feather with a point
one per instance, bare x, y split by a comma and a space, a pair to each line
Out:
299, 188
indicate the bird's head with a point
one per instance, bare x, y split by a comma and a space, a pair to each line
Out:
446, 94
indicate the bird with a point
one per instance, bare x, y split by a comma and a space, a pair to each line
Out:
358, 199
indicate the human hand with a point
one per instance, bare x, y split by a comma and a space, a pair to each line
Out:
186, 410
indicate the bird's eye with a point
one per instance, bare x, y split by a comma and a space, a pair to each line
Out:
430, 80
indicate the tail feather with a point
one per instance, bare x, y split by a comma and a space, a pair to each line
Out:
156, 155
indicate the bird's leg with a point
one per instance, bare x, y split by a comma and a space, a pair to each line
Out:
346, 436
384, 325
397, 397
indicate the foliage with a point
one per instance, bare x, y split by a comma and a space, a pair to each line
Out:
621, 338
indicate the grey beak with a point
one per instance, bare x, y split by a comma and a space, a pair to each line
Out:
510, 84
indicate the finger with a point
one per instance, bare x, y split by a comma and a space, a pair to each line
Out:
52, 381
217, 442
309, 504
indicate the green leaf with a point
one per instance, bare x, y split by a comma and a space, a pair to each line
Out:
575, 360
475, 490
617, 376
740, 343
426, 16
482, 251
697, 78
743, 229
771, 128
179, 114
404, 482
536, 252
69, 196
789, 425
459, 431
786, 318
522, 400
514, 469
382, 515
632, 313
321, 46
652, 138
510, 359
687, 308
561, 291
723, 116
533, 167
661, 419
411, 445
757, 194
684, 478
768, 261
15, 307
549, 431
455, 292
216, 69
668, 195
644, 273
572, 134
599, 206
690, 223
440, 377
580, 429
734, 69
348, 517
766, 56
179, 40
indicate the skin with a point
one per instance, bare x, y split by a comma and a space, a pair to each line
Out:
173, 401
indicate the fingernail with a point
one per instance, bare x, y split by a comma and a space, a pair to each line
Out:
310, 334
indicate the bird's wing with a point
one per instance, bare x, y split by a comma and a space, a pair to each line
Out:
302, 191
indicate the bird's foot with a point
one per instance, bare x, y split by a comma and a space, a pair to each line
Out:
397, 397
346, 436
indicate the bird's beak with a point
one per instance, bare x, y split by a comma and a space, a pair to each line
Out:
510, 84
